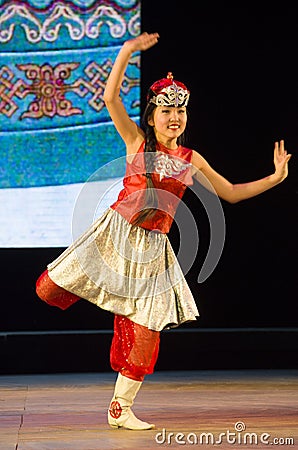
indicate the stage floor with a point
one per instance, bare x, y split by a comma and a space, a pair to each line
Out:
222, 409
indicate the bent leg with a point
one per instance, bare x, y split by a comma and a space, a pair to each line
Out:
54, 295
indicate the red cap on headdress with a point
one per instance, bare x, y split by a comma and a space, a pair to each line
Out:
168, 92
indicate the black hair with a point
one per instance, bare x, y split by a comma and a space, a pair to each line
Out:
151, 200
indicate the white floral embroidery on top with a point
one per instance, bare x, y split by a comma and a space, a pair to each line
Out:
167, 166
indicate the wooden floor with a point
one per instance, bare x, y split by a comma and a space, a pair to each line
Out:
257, 409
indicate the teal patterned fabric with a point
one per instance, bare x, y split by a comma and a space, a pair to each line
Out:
55, 59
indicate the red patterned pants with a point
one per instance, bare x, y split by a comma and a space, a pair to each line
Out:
134, 349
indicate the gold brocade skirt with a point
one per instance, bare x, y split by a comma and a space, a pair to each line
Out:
127, 270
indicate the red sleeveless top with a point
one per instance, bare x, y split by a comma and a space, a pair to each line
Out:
171, 174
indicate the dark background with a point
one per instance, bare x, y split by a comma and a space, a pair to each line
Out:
240, 66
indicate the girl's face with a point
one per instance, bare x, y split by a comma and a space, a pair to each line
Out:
169, 123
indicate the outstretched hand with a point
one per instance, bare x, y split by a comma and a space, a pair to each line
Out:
281, 159
143, 41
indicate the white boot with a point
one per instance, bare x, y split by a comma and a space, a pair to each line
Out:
120, 414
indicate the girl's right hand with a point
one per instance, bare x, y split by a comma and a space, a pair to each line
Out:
142, 42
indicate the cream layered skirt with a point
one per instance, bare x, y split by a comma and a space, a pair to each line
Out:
126, 270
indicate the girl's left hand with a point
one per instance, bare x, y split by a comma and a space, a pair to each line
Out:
281, 159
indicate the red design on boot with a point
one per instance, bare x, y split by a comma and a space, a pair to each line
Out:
115, 410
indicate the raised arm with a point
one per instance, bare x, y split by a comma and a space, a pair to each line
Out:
234, 193
127, 128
